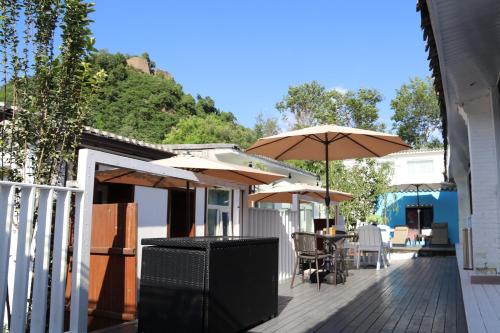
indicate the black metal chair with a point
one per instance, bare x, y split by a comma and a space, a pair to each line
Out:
306, 248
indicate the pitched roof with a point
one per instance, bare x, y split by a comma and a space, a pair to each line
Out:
433, 57
107, 141
201, 146
206, 146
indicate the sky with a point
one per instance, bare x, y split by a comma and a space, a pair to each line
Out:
245, 54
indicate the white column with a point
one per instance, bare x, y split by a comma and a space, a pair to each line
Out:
244, 213
484, 167
152, 216
199, 215
236, 212
296, 207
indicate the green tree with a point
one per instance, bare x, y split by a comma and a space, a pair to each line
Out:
139, 105
52, 90
312, 104
416, 116
308, 104
210, 128
265, 127
359, 109
367, 181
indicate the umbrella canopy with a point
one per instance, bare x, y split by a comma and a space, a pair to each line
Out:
230, 172
132, 177
284, 193
326, 143
343, 143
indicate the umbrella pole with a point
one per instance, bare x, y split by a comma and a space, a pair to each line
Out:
418, 207
327, 195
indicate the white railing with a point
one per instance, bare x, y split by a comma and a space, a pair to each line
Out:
275, 223
28, 223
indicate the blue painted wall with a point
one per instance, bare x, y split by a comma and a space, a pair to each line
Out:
445, 208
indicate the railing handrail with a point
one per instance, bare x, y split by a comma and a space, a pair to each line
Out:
43, 187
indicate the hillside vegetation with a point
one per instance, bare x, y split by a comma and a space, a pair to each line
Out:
155, 108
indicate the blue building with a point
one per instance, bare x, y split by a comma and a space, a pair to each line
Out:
420, 196
435, 203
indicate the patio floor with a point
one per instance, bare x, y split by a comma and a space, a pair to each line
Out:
416, 295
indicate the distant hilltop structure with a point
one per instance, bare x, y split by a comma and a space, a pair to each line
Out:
142, 64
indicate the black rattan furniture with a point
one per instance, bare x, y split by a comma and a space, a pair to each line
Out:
207, 284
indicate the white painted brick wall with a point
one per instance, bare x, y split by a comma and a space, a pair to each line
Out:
484, 164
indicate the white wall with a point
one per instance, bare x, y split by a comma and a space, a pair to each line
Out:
274, 223
402, 172
152, 205
484, 174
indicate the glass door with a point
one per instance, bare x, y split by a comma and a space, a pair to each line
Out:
218, 213
218, 222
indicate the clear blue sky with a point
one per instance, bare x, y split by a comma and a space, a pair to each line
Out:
245, 54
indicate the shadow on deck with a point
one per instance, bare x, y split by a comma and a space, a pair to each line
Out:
418, 295
415, 295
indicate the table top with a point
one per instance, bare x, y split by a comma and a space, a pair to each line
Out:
337, 236
207, 242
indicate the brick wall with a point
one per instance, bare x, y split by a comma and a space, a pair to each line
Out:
484, 171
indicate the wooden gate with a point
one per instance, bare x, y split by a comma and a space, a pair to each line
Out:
112, 275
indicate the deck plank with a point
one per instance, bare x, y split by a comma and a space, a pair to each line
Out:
417, 295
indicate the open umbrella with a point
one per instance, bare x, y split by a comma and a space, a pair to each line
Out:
326, 143
226, 171
284, 194
418, 187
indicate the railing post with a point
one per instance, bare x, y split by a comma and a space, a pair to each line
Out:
81, 246
23, 257
60, 252
40, 283
6, 211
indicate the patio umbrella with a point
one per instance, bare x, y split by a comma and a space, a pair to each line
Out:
284, 194
425, 187
133, 177
226, 171
326, 143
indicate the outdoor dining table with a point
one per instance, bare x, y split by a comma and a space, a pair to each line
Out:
332, 245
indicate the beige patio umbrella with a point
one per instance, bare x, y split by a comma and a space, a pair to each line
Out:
132, 177
326, 143
226, 171
284, 193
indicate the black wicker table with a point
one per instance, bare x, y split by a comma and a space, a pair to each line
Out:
207, 284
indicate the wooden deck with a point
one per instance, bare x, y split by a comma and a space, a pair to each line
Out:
482, 301
419, 295
415, 295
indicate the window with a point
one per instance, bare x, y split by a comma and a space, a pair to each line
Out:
218, 197
218, 213
420, 167
265, 205
419, 217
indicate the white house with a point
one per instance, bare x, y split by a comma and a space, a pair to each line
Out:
463, 39
416, 166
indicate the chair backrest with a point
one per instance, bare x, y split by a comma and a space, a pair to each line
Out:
386, 232
304, 242
439, 233
370, 238
426, 231
400, 235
